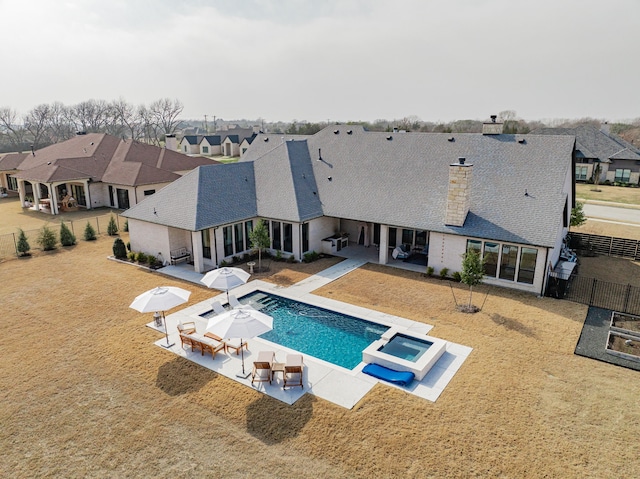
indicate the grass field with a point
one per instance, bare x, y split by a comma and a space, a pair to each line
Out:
615, 194
85, 393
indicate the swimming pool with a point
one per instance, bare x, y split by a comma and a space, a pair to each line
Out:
406, 347
333, 337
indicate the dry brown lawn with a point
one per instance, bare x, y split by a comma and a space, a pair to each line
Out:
85, 393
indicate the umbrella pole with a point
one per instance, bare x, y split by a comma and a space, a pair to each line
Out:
166, 332
243, 374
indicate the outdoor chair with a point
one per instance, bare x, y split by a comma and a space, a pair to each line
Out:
217, 307
229, 343
293, 368
234, 303
262, 367
206, 345
186, 328
401, 252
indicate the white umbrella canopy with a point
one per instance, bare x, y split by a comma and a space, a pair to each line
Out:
225, 278
240, 323
162, 299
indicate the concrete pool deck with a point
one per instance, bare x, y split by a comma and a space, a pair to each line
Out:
321, 378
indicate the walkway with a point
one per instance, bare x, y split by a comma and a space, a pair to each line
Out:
321, 378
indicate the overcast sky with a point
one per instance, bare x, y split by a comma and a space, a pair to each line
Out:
321, 60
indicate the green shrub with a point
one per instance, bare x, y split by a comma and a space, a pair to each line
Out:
89, 232
234, 260
67, 238
223, 263
23, 244
128, 245
141, 258
444, 272
132, 256
126, 226
152, 260
310, 257
457, 277
430, 271
119, 249
278, 255
47, 238
112, 227
291, 259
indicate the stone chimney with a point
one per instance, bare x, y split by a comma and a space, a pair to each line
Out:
492, 127
170, 142
459, 194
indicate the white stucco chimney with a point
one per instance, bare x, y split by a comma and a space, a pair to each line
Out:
170, 142
605, 128
459, 193
492, 127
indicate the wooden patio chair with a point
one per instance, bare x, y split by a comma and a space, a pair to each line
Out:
262, 367
186, 328
293, 370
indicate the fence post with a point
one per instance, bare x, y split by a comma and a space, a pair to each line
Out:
626, 299
593, 291
97, 225
73, 231
610, 244
15, 244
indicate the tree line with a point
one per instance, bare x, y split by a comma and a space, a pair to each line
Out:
55, 122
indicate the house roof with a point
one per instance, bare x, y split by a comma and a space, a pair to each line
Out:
102, 157
11, 161
593, 143
213, 140
191, 139
399, 179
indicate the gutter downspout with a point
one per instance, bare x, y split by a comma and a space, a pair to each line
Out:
546, 273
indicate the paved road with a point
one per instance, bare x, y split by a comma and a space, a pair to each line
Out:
612, 213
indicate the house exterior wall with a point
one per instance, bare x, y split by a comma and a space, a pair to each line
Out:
189, 149
213, 149
445, 251
229, 148
320, 228
149, 238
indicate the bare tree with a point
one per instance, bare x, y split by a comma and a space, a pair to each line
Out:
91, 115
12, 128
36, 123
165, 113
60, 123
128, 116
150, 131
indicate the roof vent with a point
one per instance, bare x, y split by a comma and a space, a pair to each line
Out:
349, 132
266, 138
493, 118
335, 132
522, 141
389, 137
451, 139
330, 178
79, 133
461, 160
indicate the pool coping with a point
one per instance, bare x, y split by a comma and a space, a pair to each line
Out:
323, 379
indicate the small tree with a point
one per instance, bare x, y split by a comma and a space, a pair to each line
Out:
119, 249
577, 215
472, 274
112, 227
597, 171
259, 238
89, 232
67, 238
47, 238
23, 244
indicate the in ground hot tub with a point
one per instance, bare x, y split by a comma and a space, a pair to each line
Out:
404, 351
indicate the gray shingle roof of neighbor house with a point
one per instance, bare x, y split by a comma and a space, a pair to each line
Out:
594, 143
213, 140
191, 139
399, 179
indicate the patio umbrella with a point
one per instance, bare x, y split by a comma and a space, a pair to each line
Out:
225, 279
240, 323
161, 299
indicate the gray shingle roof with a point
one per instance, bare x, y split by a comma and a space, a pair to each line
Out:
400, 179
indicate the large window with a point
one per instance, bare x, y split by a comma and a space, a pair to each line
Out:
227, 235
13, 183
407, 237
287, 237
490, 255
581, 173
77, 192
508, 262
205, 150
239, 237
393, 235
123, 198
276, 237
206, 244
622, 175
248, 228
527, 269
305, 237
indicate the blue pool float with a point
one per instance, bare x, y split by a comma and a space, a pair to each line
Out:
403, 378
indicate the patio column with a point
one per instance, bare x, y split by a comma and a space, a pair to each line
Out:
383, 254
36, 195
85, 185
198, 258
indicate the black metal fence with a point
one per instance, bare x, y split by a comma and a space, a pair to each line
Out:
605, 245
9, 242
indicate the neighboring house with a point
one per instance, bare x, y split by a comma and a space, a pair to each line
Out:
211, 145
246, 143
190, 144
619, 160
511, 199
93, 170
232, 138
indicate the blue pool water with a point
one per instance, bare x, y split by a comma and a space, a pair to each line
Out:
334, 337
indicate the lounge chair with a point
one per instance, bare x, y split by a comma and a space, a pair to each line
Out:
217, 307
234, 303
205, 344
404, 378
262, 367
293, 368
401, 252
186, 328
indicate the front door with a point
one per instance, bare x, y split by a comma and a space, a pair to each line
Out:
123, 198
